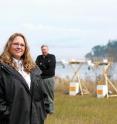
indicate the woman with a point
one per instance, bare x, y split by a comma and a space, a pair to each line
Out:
23, 99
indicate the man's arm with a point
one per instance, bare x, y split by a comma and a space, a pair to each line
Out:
37, 60
51, 65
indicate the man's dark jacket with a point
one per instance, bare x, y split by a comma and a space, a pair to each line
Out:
18, 103
47, 64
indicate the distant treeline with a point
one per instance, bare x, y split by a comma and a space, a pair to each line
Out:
105, 51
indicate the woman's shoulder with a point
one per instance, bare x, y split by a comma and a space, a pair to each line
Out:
6, 68
1, 69
1, 65
36, 71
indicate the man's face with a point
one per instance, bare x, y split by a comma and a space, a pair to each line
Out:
44, 50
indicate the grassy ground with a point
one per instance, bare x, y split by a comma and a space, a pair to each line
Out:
83, 110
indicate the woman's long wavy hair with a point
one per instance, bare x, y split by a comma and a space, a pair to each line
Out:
6, 56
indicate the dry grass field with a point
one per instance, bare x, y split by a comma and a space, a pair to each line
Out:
87, 109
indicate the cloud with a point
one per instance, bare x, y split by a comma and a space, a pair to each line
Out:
86, 22
52, 32
48, 28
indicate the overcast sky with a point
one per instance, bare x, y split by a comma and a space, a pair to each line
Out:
78, 24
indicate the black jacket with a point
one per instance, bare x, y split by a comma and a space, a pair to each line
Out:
18, 103
47, 64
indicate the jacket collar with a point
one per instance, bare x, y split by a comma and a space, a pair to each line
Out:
19, 63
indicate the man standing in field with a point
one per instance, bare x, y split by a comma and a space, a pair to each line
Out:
47, 64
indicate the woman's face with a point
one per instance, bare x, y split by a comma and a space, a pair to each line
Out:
17, 48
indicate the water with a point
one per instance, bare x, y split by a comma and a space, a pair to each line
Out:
85, 71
